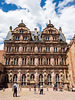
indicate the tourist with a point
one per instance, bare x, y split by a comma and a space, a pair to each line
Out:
41, 89
34, 89
53, 87
68, 87
61, 87
15, 90
38, 85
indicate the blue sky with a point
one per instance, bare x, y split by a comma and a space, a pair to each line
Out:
36, 13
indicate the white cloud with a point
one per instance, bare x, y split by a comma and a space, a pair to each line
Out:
1, 46
66, 18
63, 3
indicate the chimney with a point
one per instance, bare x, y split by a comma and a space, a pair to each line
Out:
10, 28
35, 30
60, 29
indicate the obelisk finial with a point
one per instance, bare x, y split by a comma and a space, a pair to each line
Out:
49, 21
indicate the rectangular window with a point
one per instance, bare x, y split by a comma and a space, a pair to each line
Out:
18, 37
33, 61
25, 61
54, 49
48, 38
53, 38
46, 49
23, 38
65, 61
33, 49
55, 61
25, 49
14, 61
17, 61
7, 49
63, 49
49, 61
15, 49
22, 61
41, 49
62, 61
38, 49
39, 61
26, 38
6, 61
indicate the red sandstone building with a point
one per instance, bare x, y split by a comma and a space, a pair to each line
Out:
35, 57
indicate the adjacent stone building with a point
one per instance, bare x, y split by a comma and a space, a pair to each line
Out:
1, 74
35, 57
71, 61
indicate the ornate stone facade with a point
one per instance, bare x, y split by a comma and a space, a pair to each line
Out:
36, 57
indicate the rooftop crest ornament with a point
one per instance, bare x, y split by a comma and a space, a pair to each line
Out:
21, 21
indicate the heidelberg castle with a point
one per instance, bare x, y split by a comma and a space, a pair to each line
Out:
34, 57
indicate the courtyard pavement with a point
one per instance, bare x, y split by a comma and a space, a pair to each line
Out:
25, 94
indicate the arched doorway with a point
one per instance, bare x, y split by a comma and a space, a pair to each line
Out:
23, 79
15, 78
32, 77
41, 79
6, 79
49, 79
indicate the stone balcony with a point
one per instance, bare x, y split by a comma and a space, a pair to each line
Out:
36, 67
44, 52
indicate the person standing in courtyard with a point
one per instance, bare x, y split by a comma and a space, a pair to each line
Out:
53, 87
34, 89
41, 89
68, 87
15, 90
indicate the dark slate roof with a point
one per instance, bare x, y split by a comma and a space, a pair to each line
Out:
9, 36
62, 37
33, 34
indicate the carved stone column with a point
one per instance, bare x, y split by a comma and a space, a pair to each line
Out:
52, 61
19, 77
36, 49
59, 60
51, 49
36, 76
28, 60
64, 75
51, 38
20, 61
53, 77
36, 61
20, 48
21, 38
